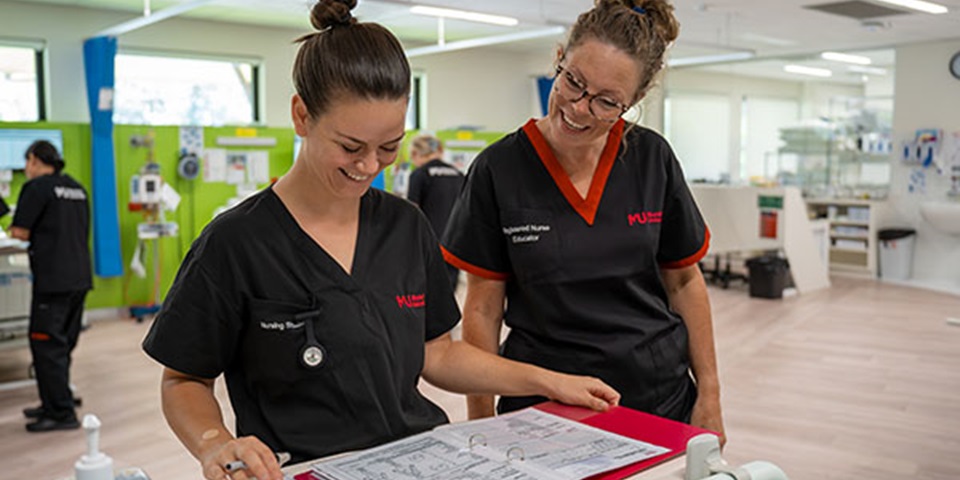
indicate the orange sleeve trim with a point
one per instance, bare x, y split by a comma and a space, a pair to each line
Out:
692, 259
471, 268
40, 337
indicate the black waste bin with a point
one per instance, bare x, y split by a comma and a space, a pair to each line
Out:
768, 276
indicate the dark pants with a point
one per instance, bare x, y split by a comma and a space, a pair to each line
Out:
55, 320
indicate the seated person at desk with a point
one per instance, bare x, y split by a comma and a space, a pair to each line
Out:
322, 301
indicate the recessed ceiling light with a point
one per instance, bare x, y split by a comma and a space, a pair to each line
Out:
928, 7
705, 59
464, 15
846, 58
816, 72
870, 70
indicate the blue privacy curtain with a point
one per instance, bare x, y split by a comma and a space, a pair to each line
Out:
544, 84
98, 56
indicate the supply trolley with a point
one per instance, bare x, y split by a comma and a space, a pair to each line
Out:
15, 287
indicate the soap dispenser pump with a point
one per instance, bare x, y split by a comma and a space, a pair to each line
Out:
94, 465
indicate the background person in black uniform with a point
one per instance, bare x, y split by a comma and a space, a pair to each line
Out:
434, 186
320, 299
590, 232
53, 215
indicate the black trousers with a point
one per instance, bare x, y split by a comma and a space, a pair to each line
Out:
55, 321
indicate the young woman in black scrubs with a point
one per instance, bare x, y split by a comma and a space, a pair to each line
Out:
322, 301
585, 225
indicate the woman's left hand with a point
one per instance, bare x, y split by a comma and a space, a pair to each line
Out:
706, 414
581, 391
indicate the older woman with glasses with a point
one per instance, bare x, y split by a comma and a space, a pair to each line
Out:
584, 225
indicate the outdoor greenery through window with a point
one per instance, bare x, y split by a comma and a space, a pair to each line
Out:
20, 96
156, 90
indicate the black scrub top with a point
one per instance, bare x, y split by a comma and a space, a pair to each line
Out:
55, 209
254, 285
584, 293
4, 209
434, 187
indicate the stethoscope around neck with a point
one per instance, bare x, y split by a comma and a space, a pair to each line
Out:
312, 354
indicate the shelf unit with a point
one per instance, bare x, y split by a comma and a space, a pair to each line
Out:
852, 234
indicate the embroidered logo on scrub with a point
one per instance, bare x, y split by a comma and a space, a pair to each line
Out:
529, 233
643, 218
411, 301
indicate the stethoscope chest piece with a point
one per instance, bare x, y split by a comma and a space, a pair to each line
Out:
312, 356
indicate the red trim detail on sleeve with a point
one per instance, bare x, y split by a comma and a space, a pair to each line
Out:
471, 268
40, 337
692, 259
586, 207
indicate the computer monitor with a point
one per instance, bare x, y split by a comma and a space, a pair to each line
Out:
14, 143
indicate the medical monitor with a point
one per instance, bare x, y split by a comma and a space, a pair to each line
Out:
14, 143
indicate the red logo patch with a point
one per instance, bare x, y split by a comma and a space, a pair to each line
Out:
411, 301
643, 218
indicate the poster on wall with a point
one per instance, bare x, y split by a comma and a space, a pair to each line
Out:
258, 166
214, 165
236, 168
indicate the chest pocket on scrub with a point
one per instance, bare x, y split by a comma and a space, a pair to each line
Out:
533, 243
281, 345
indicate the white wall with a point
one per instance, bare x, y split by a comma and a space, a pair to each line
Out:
486, 87
65, 28
926, 96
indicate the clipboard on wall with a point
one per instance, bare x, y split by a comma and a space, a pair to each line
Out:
633, 424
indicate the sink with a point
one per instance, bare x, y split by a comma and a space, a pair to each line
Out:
943, 216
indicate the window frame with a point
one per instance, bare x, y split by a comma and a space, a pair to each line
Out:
39, 48
256, 74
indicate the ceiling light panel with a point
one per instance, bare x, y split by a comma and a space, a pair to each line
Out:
919, 5
802, 70
846, 58
464, 15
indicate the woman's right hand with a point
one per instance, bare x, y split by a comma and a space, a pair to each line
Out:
581, 391
261, 463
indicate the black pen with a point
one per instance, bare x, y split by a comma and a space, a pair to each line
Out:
282, 457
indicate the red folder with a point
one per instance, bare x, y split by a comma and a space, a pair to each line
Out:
622, 421
634, 424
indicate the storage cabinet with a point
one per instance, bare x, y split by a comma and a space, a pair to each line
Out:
852, 233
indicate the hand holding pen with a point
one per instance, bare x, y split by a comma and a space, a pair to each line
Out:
237, 465
243, 458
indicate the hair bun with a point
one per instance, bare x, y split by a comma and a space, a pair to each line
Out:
330, 13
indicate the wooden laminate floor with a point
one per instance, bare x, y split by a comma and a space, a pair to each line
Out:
858, 381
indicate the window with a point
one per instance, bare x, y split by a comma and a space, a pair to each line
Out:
416, 107
158, 90
21, 95
698, 127
762, 119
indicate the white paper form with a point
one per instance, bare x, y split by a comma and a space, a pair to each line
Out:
258, 166
524, 445
427, 456
214, 165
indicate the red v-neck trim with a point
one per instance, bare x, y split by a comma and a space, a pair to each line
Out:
586, 207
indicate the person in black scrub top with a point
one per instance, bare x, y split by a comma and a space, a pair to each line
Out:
54, 216
434, 186
585, 225
323, 301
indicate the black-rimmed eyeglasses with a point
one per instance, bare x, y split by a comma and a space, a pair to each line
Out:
572, 89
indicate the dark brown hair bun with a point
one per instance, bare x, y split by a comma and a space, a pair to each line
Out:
330, 13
